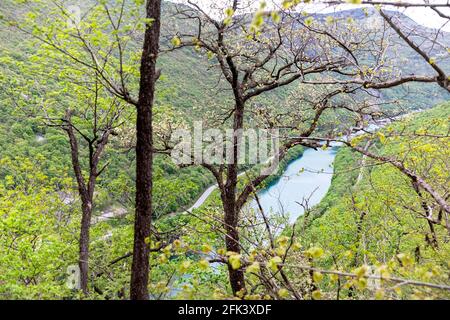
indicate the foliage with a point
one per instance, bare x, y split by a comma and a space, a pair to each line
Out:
375, 220
37, 232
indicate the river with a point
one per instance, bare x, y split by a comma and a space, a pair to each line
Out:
308, 177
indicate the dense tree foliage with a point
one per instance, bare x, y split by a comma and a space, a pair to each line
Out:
93, 207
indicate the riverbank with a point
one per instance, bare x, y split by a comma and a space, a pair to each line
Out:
292, 155
303, 183
346, 172
372, 215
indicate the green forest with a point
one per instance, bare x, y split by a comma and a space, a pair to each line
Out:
224, 150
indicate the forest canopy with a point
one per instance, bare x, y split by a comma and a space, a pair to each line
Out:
254, 150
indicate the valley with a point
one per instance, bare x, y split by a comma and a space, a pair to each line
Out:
352, 107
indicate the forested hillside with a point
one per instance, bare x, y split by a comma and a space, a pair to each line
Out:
186, 92
137, 137
372, 216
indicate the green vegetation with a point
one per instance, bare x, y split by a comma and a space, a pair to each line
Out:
68, 92
376, 220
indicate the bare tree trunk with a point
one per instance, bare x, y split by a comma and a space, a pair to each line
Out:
231, 210
232, 243
84, 245
144, 156
86, 192
86, 209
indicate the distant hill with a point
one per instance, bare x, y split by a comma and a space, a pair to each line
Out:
192, 84
200, 83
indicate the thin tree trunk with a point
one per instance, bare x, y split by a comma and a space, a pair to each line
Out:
144, 156
84, 245
86, 209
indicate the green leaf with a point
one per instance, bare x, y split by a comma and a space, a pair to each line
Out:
229, 12
315, 252
176, 41
283, 293
185, 266
235, 261
253, 268
317, 277
274, 263
275, 17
